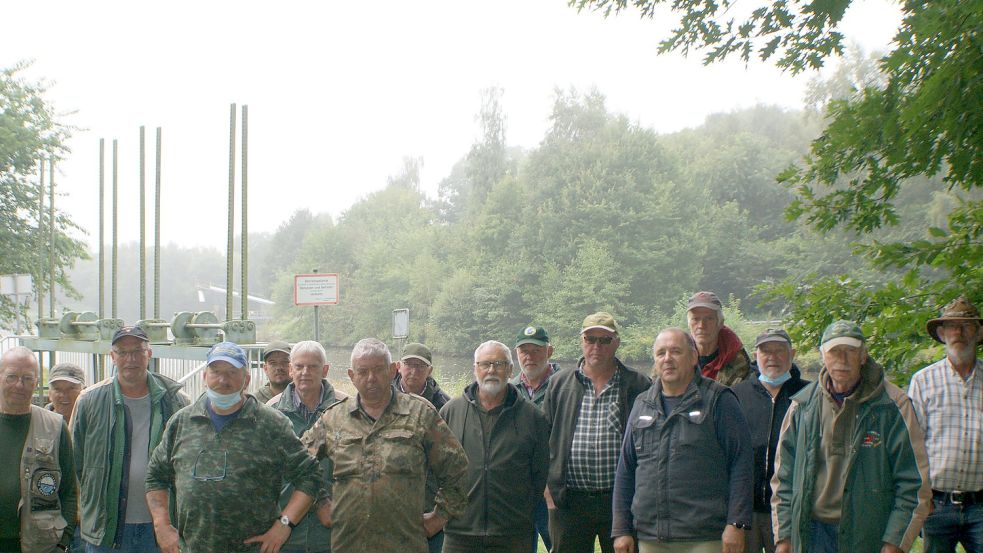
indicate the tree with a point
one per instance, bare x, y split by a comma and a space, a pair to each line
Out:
30, 132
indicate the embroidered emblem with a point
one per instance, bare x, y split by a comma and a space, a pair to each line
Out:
872, 439
529, 331
46, 484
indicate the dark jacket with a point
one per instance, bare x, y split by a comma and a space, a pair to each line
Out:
764, 418
431, 391
683, 476
562, 409
506, 479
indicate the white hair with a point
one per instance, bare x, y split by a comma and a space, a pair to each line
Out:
495, 344
309, 346
371, 347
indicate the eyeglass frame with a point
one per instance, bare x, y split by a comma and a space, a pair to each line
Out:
600, 340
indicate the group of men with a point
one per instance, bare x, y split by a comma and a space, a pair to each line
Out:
714, 452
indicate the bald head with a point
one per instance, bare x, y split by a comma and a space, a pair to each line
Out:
18, 354
18, 378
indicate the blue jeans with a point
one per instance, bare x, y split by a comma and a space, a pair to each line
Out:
824, 538
541, 516
949, 524
137, 538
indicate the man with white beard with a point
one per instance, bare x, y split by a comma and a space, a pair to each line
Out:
505, 437
948, 399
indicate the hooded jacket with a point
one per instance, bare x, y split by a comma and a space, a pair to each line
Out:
885, 493
431, 391
505, 479
731, 364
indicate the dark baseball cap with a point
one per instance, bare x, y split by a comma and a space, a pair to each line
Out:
773, 335
705, 299
276, 345
134, 331
415, 350
532, 335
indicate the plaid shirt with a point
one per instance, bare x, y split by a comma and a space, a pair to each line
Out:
950, 410
597, 437
302, 409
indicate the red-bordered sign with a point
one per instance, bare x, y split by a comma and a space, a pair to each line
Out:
316, 289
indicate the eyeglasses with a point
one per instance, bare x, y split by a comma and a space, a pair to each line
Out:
28, 380
497, 365
131, 353
964, 327
209, 471
603, 340
415, 366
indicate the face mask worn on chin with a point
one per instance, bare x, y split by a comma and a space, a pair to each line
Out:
223, 401
778, 381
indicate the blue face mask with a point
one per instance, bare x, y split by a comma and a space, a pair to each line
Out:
223, 401
775, 381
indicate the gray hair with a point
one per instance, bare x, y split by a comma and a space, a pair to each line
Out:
309, 346
19, 351
495, 344
677, 330
371, 347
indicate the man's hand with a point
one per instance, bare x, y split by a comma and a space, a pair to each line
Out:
549, 499
624, 544
784, 546
273, 539
324, 508
167, 539
733, 539
433, 523
890, 548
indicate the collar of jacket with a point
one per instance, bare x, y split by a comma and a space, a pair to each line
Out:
871, 382
395, 405
511, 395
728, 344
286, 402
691, 396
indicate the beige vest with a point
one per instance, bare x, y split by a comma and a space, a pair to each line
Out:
41, 522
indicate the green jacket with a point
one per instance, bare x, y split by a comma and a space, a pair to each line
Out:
505, 479
100, 445
226, 488
886, 495
309, 533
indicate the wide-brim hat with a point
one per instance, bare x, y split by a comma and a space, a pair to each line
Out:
959, 309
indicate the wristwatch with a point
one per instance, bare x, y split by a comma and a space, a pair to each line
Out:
285, 520
740, 525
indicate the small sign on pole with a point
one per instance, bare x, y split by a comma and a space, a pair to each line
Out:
401, 323
316, 289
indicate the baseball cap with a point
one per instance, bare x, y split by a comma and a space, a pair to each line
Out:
705, 299
416, 350
532, 335
276, 345
842, 333
69, 372
229, 352
773, 335
601, 320
134, 331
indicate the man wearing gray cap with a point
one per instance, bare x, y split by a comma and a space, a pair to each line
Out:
65, 383
276, 365
851, 473
116, 425
722, 356
765, 396
413, 375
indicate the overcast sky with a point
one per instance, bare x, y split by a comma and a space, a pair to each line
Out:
340, 92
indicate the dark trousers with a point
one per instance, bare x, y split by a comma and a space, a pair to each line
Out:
459, 543
583, 517
435, 543
541, 516
950, 524
824, 538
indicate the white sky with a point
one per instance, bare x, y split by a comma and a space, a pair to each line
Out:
340, 92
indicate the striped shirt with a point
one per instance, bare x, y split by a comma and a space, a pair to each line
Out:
597, 437
950, 410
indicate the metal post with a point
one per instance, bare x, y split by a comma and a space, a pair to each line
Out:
157, 230
39, 282
115, 252
102, 228
143, 225
243, 256
317, 320
229, 245
51, 237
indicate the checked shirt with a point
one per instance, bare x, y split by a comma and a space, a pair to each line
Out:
597, 437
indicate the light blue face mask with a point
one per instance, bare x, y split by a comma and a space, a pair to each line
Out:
775, 381
223, 401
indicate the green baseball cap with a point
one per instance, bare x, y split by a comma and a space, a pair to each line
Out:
842, 332
276, 345
532, 335
602, 320
416, 350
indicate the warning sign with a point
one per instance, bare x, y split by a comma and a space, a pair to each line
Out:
316, 289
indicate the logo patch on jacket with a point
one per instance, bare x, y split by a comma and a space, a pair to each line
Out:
872, 439
46, 484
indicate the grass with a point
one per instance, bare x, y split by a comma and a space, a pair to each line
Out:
916, 548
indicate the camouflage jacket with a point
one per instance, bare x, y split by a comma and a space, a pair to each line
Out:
380, 469
227, 488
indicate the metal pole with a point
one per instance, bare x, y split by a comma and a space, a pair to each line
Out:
157, 231
317, 320
229, 245
39, 283
102, 228
115, 253
143, 225
51, 237
243, 256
